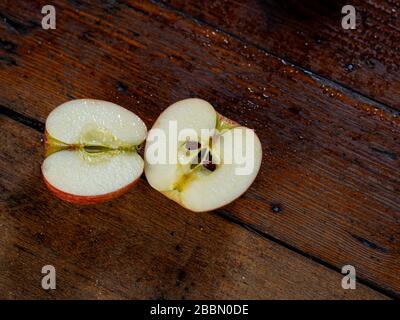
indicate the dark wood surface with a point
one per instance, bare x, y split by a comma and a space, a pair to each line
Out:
309, 34
327, 194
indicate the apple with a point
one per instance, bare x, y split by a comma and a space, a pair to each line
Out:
91, 149
199, 158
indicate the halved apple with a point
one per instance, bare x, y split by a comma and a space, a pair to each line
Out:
209, 160
91, 150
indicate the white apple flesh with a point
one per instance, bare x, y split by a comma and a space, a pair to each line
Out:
202, 188
91, 151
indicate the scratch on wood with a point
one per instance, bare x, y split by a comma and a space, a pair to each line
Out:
16, 25
23, 249
390, 155
369, 244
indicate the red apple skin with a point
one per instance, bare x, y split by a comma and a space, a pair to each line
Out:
73, 198
227, 120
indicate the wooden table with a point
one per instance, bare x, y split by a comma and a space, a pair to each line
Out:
324, 101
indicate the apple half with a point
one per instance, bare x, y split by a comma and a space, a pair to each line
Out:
91, 149
196, 172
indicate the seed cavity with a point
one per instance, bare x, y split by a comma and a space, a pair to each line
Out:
208, 164
192, 145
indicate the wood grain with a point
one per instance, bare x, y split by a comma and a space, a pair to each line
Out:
329, 184
138, 246
309, 34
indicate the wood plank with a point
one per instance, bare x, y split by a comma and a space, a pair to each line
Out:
329, 184
138, 246
309, 34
